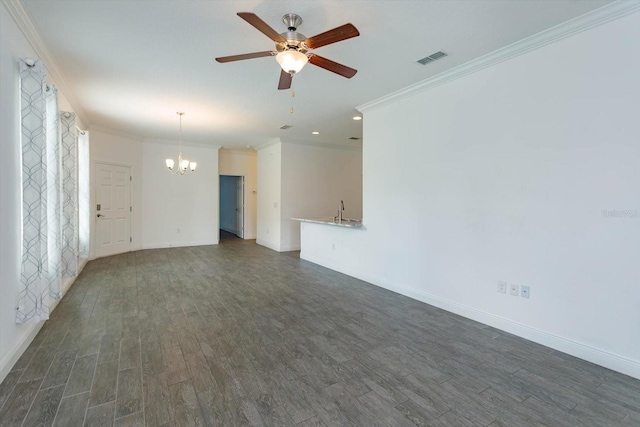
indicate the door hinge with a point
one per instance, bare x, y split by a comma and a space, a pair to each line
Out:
130, 239
130, 178
130, 209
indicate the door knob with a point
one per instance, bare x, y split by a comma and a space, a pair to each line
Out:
100, 215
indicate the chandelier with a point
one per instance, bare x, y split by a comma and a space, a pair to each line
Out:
185, 167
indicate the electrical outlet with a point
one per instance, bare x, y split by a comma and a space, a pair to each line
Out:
502, 287
524, 291
514, 289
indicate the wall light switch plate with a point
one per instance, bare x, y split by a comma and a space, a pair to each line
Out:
524, 291
514, 289
502, 287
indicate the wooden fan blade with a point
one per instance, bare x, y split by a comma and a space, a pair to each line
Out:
343, 32
244, 56
332, 66
262, 26
285, 80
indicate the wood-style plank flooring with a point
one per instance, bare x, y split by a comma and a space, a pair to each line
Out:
236, 334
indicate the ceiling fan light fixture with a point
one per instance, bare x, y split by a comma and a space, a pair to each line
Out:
291, 61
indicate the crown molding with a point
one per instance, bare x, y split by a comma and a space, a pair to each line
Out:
25, 24
321, 145
111, 131
269, 143
307, 144
566, 29
175, 142
241, 151
143, 140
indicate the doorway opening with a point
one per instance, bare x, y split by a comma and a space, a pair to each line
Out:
231, 207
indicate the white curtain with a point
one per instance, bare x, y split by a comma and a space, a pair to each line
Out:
84, 204
54, 185
55, 194
38, 280
69, 152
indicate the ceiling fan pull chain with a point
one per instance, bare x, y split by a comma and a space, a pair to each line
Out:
293, 95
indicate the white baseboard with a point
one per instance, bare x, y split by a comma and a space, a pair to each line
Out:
250, 237
591, 354
278, 248
269, 245
12, 356
164, 245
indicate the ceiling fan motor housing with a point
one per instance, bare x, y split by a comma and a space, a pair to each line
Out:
294, 42
292, 21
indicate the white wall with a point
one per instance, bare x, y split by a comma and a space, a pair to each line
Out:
514, 180
108, 147
244, 163
179, 210
229, 203
14, 338
269, 195
12, 47
314, 180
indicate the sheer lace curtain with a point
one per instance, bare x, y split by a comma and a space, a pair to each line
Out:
54, 184
69, 153
84, 188
55, 195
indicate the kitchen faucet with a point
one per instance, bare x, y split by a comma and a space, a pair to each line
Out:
340, 209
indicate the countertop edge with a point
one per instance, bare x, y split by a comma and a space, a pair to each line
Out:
327, 221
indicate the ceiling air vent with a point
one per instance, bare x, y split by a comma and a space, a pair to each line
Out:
354, 138
432, 57
285, 127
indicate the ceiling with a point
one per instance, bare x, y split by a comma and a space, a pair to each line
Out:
131, 65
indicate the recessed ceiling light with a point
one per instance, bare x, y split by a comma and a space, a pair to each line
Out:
315, 132
357, 117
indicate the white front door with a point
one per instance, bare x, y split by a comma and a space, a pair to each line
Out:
113, 209
240, 206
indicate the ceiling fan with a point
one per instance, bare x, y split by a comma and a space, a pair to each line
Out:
293, 49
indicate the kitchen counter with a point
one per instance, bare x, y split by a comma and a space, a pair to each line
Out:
346, 222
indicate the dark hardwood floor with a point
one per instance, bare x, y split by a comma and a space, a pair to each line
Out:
237, 334
226, 236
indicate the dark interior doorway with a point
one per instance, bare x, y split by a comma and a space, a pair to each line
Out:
231, 207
